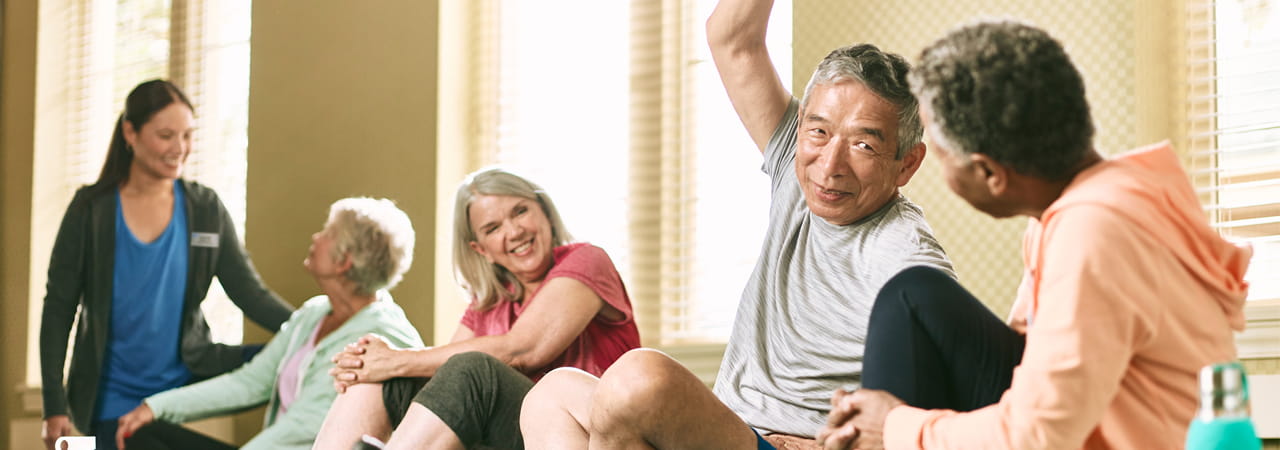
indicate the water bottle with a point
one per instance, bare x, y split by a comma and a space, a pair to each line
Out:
1222, 422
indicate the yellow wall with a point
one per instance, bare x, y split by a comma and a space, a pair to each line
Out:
17, 134
342, 103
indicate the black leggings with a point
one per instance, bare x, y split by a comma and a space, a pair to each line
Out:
935, 346
166, 436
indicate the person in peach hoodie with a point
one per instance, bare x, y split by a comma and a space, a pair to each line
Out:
1127, 290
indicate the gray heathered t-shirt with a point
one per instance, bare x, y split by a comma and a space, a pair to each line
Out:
802, 319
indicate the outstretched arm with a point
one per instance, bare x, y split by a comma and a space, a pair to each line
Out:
736, 35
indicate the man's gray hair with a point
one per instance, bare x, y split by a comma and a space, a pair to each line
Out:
883, 73
379, 238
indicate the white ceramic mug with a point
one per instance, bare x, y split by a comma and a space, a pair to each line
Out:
76, 443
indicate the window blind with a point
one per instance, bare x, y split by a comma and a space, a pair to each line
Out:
1234, 127
712, 199
661, 198
556, 110
209, 59
731, 193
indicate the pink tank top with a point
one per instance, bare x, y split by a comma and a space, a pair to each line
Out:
289, 383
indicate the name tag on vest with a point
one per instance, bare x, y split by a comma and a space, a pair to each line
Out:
204, 240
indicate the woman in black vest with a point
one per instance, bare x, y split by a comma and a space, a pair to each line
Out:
136, 253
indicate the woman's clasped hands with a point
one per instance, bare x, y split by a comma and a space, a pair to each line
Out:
370, 359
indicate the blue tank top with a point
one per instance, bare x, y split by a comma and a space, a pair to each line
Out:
149, 283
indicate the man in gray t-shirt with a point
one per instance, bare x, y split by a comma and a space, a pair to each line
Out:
838, 230
803, 315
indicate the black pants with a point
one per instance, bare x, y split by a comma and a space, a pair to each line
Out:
104, 433
166, 436
476, 395
935, 346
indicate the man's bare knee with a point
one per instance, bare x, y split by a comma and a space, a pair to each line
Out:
562, 398
565, 378
647, 370
552, 390
638, 387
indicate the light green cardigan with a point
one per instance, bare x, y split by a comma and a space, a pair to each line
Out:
255, 383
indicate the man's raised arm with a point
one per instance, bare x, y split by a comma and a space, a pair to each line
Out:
736, 34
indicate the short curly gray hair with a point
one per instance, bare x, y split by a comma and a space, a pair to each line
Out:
884, 73
485, 281
1009, 91
379, 238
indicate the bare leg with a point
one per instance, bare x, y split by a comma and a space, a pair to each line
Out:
648, 400
422, 429
557, 412
357, 412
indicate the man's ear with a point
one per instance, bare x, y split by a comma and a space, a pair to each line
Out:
478, 249
995, 175
911, 163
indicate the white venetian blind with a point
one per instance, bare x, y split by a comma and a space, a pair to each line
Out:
91, 53
700, 200
560, 118
1234, 127
731, 193
209, 59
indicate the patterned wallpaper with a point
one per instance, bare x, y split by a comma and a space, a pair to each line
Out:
1262, 366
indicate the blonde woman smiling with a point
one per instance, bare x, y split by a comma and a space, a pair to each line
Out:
538, 302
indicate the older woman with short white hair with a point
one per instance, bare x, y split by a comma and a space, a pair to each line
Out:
365, 248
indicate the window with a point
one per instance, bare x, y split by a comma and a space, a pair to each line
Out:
1234, 138
92, 53
727, 235
632, 134
1235, 131
561, 117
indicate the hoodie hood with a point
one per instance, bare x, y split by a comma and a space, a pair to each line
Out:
1149, 187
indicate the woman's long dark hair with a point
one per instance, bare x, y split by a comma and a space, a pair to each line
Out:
143, 102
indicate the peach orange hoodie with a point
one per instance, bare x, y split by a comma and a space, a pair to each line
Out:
1127, 293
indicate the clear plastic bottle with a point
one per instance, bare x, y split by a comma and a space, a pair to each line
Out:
1222, 421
